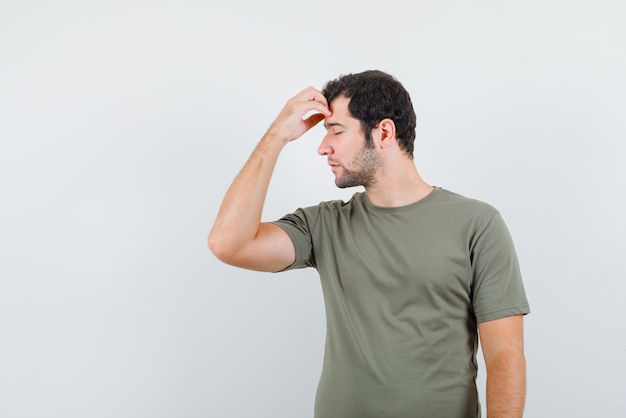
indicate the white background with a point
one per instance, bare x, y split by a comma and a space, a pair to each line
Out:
122, 124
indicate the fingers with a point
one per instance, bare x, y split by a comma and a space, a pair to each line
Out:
303, 111
314, 100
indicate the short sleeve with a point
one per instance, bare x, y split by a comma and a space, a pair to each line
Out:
497, 290
298, 226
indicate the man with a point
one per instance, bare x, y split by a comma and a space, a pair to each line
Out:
411, 274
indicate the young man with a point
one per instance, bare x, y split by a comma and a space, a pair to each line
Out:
411, 274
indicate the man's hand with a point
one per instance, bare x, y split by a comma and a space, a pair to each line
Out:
291, 123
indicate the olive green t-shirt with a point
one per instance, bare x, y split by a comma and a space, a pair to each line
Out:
404, 289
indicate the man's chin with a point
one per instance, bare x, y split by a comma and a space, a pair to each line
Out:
344, 184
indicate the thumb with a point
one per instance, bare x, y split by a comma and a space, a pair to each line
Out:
313, 120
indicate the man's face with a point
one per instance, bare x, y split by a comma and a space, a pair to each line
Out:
350, 158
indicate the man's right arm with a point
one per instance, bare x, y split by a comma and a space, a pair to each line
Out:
238, 236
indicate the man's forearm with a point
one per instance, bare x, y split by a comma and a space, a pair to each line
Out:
239, 216
506, 385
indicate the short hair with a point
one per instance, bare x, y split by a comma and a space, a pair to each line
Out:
375, 95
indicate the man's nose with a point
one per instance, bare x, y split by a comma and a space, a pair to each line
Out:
324, 148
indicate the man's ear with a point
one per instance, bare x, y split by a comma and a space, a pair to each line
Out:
387, 132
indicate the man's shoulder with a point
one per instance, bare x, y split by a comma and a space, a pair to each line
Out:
456, 201
312, 213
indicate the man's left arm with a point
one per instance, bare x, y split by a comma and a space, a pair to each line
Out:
502, 342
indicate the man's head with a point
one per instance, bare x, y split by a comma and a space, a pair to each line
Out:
374, 96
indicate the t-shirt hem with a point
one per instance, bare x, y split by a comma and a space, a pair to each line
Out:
292, 235
503, 313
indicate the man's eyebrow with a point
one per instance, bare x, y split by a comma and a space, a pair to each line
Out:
329, 125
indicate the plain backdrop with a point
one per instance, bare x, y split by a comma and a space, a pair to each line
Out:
122, 123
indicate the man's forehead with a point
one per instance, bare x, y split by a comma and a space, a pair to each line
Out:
341, 115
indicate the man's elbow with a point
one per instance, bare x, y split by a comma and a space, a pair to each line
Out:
221, 249
230, 252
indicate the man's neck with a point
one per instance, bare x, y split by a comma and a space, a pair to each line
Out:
398, 186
